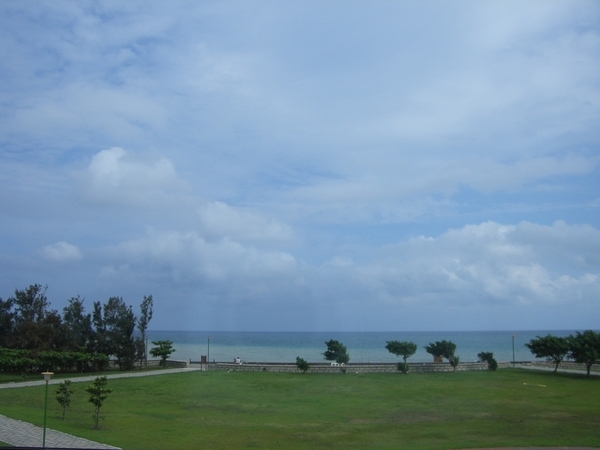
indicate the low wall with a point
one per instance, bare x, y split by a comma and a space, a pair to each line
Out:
569, 365
112, 364
350, 368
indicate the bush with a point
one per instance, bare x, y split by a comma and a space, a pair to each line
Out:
403, 367
488, 357
302, 364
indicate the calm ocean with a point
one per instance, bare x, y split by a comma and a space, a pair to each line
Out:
362, 346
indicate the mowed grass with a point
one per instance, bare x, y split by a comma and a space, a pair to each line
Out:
221, 410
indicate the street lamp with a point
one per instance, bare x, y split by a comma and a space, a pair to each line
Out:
208, 354
513, 342
47, 376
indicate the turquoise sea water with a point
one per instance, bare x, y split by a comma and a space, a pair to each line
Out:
362, 346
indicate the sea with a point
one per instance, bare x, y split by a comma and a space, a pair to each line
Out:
363, 347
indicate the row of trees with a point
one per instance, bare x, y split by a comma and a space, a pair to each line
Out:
439, 350
583, 348
337, 352
29, 325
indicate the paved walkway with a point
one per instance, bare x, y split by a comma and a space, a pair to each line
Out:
24, 434
593, 373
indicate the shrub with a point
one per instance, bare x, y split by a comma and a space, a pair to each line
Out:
488, 357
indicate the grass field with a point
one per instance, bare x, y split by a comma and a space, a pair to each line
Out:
221, 410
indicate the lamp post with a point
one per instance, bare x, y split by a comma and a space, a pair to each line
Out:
513, 342
208, 354
47, 376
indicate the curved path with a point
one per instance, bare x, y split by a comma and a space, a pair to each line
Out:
24, 434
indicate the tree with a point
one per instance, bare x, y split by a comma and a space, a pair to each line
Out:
98, 393
584, 348
119, 323
488, 357
35, 326
444, 349
405, 349
162, 350
302, 364
553, 348
142, 323
6, 321
99, 339
336, 351
77, 326
63, 396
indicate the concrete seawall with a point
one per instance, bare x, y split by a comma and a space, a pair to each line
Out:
386, 367
350, 368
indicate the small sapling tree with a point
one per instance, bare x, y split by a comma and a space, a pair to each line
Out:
336, 351
98, 393
405, 349
488, 357
444, 349
63, 396
163, 350
302, 364
553, 348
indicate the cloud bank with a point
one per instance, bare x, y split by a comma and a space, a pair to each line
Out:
305, 165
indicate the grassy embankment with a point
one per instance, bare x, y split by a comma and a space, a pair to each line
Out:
264, 410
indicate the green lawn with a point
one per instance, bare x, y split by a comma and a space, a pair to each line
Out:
264, 410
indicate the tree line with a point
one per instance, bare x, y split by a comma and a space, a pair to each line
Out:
582, 347
34, 336
338, 353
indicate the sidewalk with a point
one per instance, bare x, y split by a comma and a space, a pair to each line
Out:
23, 434
551, 369
88, 379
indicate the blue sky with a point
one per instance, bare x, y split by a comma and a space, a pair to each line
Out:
305, 165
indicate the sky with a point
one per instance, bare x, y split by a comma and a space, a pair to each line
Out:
305, 165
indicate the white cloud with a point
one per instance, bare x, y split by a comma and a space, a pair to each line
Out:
116, 176
219, 220
402, 192
487, 265
187, 257
493, 262
61, 252
325, 136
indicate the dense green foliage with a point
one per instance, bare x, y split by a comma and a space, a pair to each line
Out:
488, 357
585, 348
336, 351
405, 349
582, 348
25, 361
302, 364
220, 410
163, 350
444, 349
33, 336
550, 347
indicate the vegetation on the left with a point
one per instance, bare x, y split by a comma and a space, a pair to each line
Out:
35, 338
